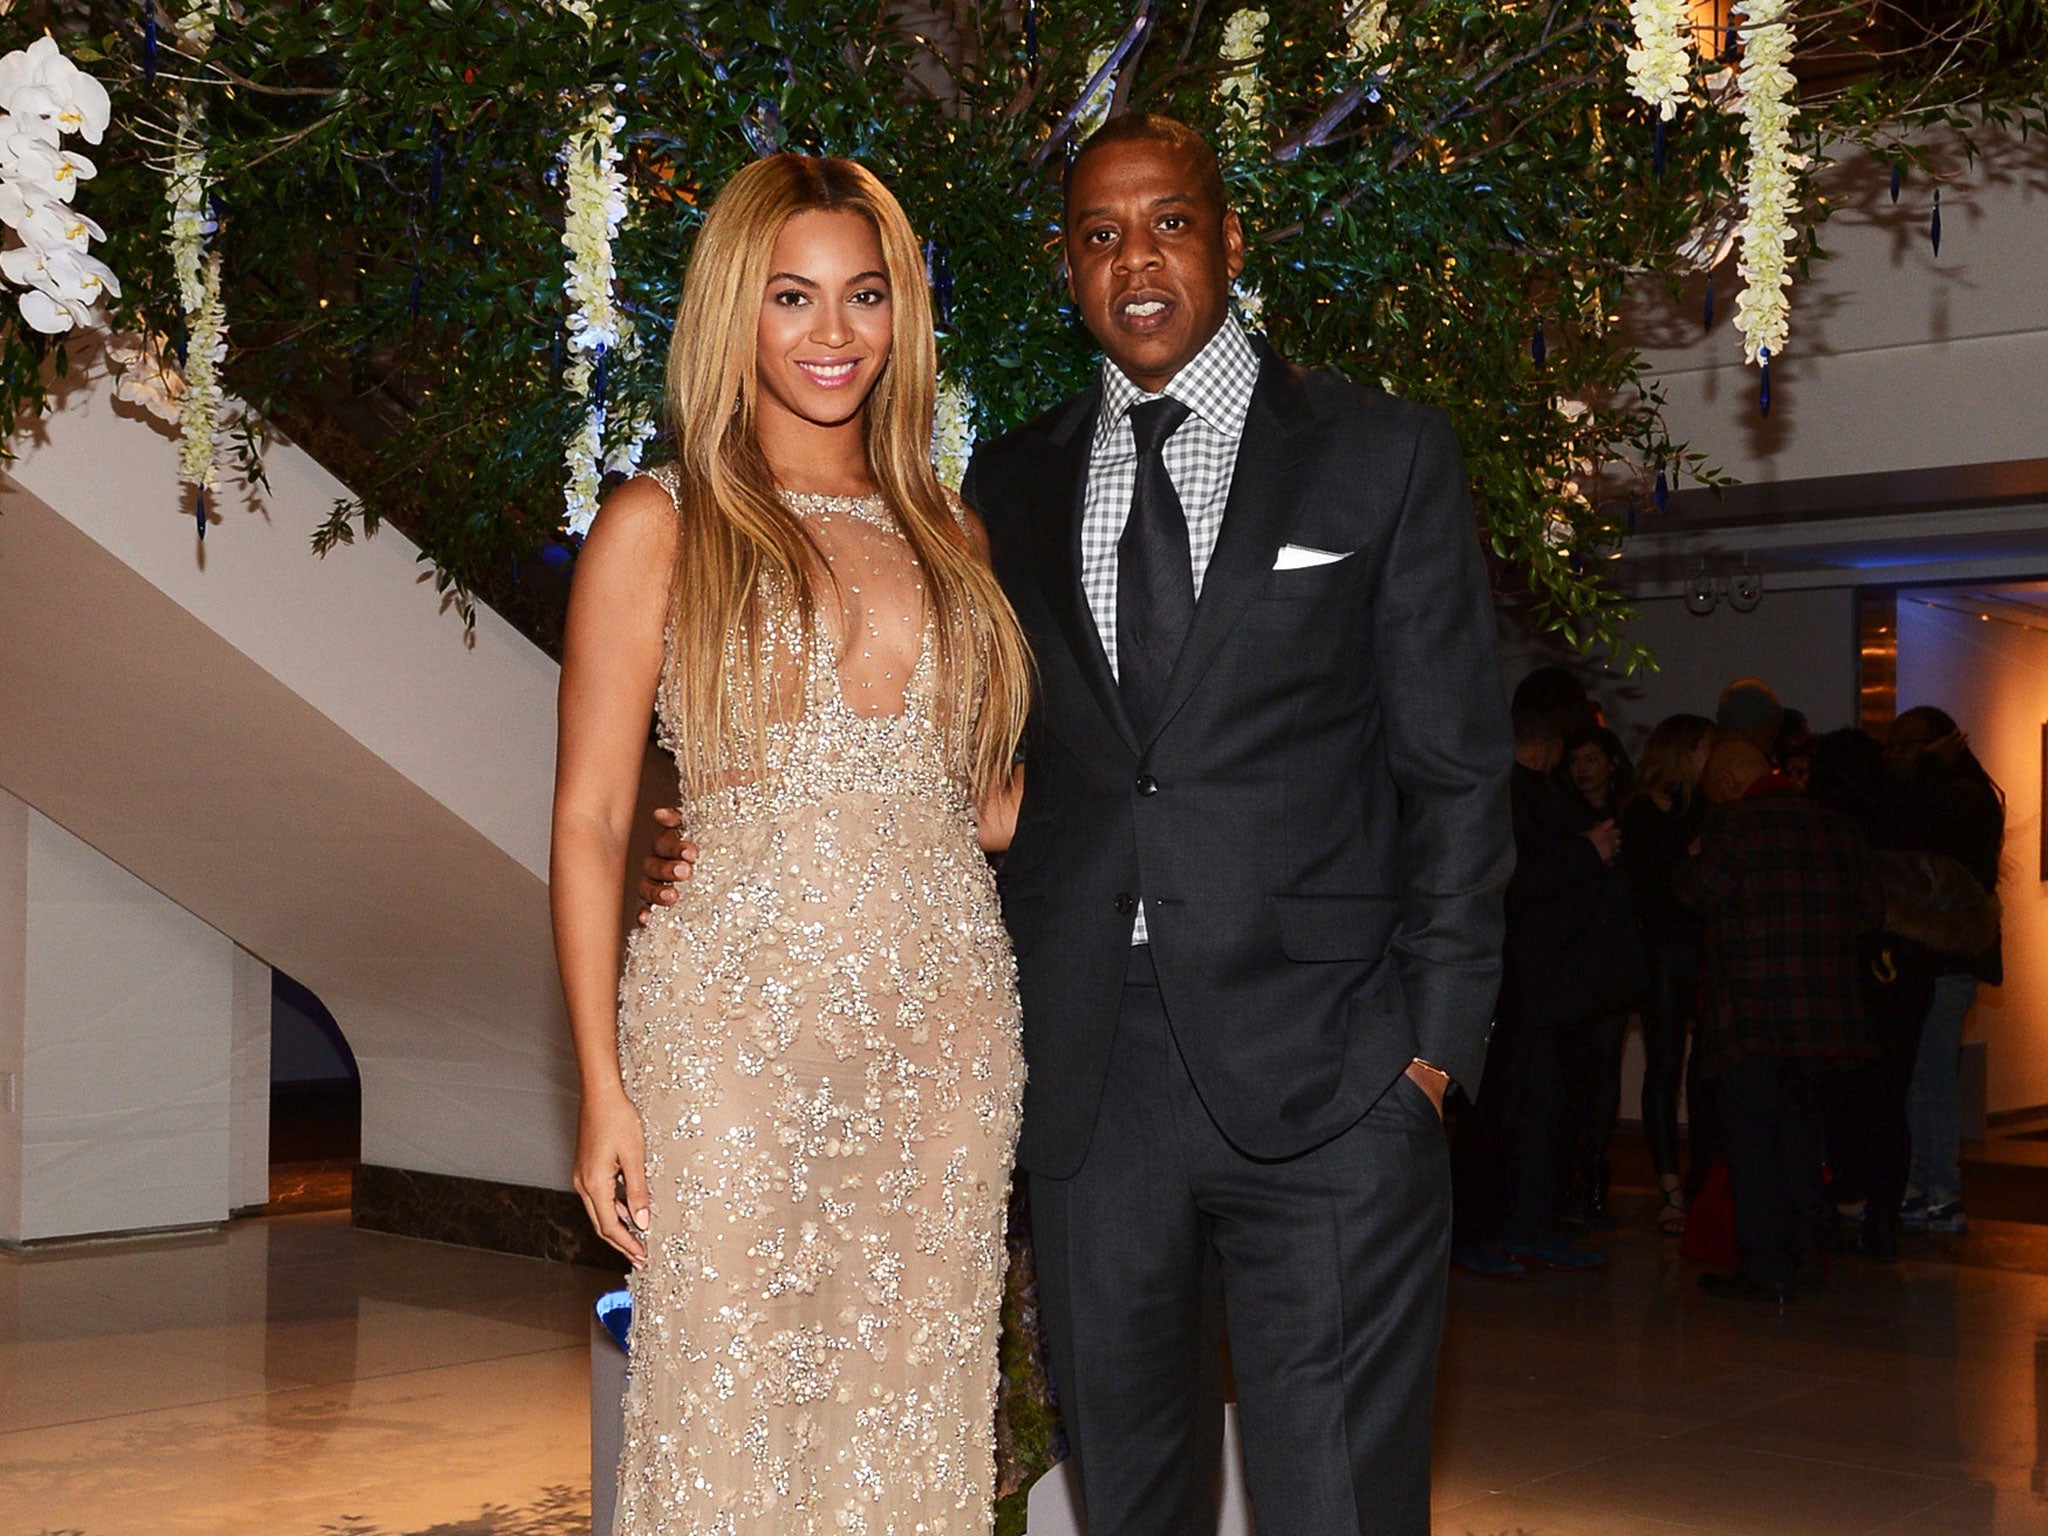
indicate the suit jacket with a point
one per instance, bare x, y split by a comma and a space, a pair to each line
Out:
1318, 822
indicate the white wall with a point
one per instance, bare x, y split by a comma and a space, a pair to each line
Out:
1801, 642
1897, 358
126, 1039
1993, 678
249, 1084
308, 756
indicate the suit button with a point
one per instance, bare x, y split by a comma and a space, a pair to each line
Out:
1147, 785
1126, 903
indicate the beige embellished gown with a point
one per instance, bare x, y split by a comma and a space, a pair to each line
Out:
821, 1038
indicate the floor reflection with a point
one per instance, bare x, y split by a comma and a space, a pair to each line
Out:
294, 1377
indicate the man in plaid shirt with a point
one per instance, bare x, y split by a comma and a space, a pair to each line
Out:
1788, 889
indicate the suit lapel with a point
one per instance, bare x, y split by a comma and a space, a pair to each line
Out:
1057, 517
1255, 518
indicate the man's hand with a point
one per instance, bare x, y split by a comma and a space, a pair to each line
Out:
1432, 1081
673, 861
1606, 840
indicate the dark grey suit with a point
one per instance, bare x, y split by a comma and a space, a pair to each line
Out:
1318, 828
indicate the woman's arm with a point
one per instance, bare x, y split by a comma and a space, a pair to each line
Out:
611, 667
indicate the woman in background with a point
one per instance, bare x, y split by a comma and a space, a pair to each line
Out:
1659, 820
799, 1107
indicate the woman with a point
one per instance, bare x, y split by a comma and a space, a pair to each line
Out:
1659, 820
1943, 802
1594, 774
800, 1103
1596, 768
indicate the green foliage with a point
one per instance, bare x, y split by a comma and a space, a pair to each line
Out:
391, 216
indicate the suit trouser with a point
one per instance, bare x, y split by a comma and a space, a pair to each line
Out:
1332, 1275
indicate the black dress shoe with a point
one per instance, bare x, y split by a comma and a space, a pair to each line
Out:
1743, 1288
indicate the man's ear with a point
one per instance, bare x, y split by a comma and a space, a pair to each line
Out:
1233, 243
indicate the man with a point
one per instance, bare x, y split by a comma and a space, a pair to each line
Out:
1789, 889
1256, 878
1554, 981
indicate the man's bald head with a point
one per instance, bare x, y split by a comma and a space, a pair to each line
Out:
1732, 767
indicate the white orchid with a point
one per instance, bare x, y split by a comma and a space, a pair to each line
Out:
952, 430
64, 285
142, 377
1244, 43
47, 95
54, 226
46, 169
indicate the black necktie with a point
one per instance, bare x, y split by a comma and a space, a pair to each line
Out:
1155, 577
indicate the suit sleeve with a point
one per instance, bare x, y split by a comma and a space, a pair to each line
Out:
1449, 751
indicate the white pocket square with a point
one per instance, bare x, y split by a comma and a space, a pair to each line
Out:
1299, 557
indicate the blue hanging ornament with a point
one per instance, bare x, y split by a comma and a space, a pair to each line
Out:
942, 285
1538, 348
555, 357
1031, 31
1732, 50
1657, 147
1631, 514
149, 41
1707, 306
1661, 492
199, 504
597, 374
1763, 393
1898, 180
1934, 224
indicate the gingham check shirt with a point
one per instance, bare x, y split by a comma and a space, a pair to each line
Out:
1216, 387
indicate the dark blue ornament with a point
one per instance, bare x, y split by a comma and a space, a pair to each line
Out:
942, 284
1898, 180
1934, 224
1657, 147
199, 503
597, 374
149, 41
1661, 492
1631, 514
555, 356
1733, 50
1030, 31
1537, 346
1707, 306
1763, 393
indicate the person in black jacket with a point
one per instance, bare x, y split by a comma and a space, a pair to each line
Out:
1943, 802
1659, 820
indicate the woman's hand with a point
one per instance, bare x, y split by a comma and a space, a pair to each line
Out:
611, 1172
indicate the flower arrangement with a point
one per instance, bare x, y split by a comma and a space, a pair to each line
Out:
1095, 110
1660, 63
952, 430
44, 99
1239, 91
1770, 187
596, 206
1365, 28
187, 191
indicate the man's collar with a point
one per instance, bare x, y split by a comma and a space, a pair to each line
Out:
1216, 383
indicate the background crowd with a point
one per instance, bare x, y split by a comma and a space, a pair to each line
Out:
1797, 924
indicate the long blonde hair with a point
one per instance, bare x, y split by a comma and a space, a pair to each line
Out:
738, 541
1666, 766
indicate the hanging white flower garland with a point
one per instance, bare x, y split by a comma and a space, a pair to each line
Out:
44, 98
952, 430
1660, 63
198, 277
1770, 188
1095, 110
1242, 96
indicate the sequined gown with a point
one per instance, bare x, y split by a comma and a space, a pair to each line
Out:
821, 1038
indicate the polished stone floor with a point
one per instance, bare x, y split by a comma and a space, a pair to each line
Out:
293, 1377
